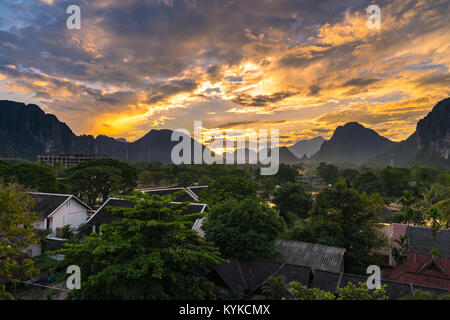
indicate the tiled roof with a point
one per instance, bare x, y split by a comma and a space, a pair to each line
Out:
421, 240
424, 270
313, 255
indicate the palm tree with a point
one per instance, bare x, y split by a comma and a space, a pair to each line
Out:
400, 253
407, 202
434, 217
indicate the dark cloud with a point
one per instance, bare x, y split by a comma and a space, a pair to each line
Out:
360, 82
261, 100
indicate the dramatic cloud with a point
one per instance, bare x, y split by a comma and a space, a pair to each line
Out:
303, 67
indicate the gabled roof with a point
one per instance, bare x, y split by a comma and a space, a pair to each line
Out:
424, 270
251, 274
197, 190
187, 195
420, 240
313, 255
46, 204
102, 215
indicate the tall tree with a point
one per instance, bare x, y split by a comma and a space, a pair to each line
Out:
148, 254
243, 229
292, 201
342, 217
328, 172
229, 187
94, 181
32, 176
16, 235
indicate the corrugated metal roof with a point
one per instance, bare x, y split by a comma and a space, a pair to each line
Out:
313, 255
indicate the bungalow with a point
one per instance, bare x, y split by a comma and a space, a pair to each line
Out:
54, 212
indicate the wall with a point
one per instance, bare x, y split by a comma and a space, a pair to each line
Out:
71, 213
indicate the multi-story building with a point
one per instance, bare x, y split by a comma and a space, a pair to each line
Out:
68, 159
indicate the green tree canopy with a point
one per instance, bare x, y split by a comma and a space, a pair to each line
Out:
328, 172
243, 229
230, 187
98, 179
16, 234
32, 176
342, 217
292, 198
148, 254
368, 182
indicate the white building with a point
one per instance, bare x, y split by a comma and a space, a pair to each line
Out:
54, 212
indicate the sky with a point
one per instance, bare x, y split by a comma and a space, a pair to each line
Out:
302, 67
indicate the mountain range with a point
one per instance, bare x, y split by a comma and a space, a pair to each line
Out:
352, 143
306, 147
26, 131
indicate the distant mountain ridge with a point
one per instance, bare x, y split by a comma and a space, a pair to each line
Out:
26, 131
352, 143
306, 147
428, 145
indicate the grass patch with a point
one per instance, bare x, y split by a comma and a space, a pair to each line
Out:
44, 263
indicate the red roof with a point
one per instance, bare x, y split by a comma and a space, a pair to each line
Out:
424, 270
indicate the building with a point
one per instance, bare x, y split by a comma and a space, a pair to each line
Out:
424, 270
104, 216
68, 159
310, 182
419, 238
251, 275
313, 255
54, 212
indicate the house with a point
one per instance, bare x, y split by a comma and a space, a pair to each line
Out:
54, 212
424, 270
313, 255
104, 216
189, 193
